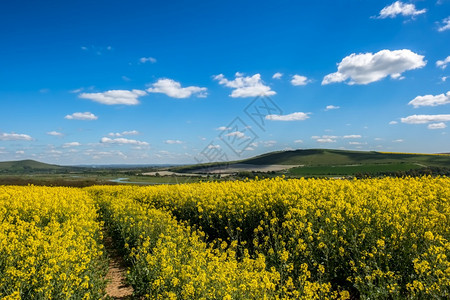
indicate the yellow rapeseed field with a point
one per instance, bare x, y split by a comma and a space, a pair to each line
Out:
384, 238
50, 244
318, 238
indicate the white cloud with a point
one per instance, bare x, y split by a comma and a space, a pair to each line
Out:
81, 116
325, 139
298, 141
173, 89
365, 68
75, 91
249, 86
115, 97
222, 128
330, 107
277, 75
237, 134
15, 137
118, 134
423, 119
445, 25
393, 122
398, 141
444, 78
20, 152
55, 133
297, 116
147, 59
356, 143
299, 80
440, 125
352, 136
400, 8
443, 63
431, 100
173, 142
122, 141
71, 144
53, 151
269, 143
213, 146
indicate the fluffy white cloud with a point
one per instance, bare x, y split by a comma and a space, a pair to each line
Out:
297, 116
431, 100
213, 146
423, 119
131, 132
330, 107
20, 152
173, 142
400, 8
71, 144
222, 128
445, 25
15, 137
365, 68
147, 59
81, 116
115, 97
249, 86
443, 63
122, 141
352, 136
173, 89
299, 80
237, 134
325, 138
277, 75
393, 122
298, 141
398, 141
55, 133
440, 125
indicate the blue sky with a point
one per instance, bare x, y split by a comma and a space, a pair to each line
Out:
94, 82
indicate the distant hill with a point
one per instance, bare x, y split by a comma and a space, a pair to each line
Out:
27, 166
323, 157
328, 161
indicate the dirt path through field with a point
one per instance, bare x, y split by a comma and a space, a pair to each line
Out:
116, 287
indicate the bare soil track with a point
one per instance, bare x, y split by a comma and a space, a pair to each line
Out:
117, 288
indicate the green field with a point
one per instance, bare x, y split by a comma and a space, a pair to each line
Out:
352, 169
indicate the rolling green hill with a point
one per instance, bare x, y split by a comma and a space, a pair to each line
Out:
29, 166
328, 162
327, 157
